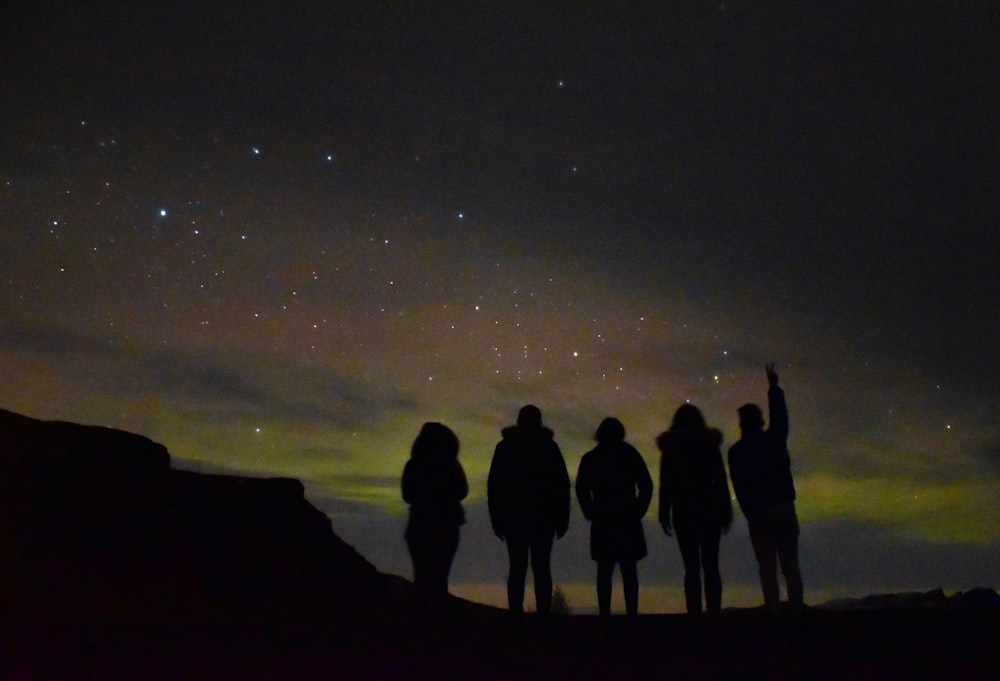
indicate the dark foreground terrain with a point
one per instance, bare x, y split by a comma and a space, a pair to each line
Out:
465, 643
113, 565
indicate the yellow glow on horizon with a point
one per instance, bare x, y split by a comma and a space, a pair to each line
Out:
932, 512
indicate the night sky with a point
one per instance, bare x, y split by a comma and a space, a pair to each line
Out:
279, 236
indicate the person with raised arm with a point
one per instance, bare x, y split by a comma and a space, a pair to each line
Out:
760, 468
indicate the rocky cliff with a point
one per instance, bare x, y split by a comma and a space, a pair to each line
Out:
95, 525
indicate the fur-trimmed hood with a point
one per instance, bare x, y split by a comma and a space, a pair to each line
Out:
513, 432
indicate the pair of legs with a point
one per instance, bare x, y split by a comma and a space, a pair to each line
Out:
630, 584
699, 547
432, 550
775, 538
536, 544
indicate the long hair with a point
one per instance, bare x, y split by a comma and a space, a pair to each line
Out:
435, 440
688, 417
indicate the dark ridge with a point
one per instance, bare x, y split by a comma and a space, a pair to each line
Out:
115, 566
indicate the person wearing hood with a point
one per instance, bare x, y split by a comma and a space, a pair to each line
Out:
434, 485
614, 489
695, 503
528, 498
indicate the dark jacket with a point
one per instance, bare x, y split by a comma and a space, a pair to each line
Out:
694, 492
528, 486
759, 463
434, 486
614, 489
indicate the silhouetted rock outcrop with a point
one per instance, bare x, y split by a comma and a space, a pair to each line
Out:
115, 566
95, 525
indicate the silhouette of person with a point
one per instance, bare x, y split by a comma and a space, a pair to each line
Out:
695, 502
434, 485
528, 498
760, 467
614, 490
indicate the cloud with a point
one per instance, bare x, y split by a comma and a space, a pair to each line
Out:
988, 452
206, 384
860, 557
934, 513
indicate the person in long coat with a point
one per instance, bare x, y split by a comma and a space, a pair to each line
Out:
695, 502
434, 485
614, 489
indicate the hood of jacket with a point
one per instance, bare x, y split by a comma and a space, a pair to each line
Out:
515, 432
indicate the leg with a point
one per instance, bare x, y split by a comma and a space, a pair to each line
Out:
687, 540
630, 584
765, 548
541, 568
788, 554
444, 554
605, 573
710, 564
419, 562
517, 551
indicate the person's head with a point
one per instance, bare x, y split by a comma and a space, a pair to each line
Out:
530, 416
751, 418
435, 440
687, 417
610, 430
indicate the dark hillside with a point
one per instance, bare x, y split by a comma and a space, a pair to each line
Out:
115, 566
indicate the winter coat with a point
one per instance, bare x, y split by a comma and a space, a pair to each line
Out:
434, 486
614, 489
694, 491
760, 465
528, 486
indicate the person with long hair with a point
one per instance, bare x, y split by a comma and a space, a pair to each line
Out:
434, 485
695, 502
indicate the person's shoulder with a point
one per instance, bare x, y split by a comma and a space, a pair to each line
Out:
629, 449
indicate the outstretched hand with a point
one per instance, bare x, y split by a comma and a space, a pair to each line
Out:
772, 375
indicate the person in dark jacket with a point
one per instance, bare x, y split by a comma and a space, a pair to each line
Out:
695, 502
760, 467
528, 498
614, 490
434, 485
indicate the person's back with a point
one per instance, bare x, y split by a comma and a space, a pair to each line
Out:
614, 489
613, 473
528, 500
760, 467
759, 464
434, 485
528, 484
695, 502
692, 478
